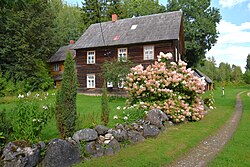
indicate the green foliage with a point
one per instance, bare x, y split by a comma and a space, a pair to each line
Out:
66, 99
200, 27
67, 22
248, 62
114, 71
246, 76
141, 7
105, 107
30, 117
3, 84
6, 128
25, 41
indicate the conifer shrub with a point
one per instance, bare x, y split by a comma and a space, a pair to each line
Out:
65, 110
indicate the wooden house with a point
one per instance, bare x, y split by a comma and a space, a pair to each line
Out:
56, 62
139, 39
209, 82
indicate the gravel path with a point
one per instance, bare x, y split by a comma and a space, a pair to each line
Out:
202, 154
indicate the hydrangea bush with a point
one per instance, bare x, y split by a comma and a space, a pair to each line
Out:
167, 86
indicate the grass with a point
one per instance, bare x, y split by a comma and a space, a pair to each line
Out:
237, 150
175, 140
153, 152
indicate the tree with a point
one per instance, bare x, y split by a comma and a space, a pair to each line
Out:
93, 11
136, 8
114, 71
246, 76
25, 39
67, 24
248, 62
237, 76
105, 107
200, 27
113, 7
224, 72
66, 99
209, 68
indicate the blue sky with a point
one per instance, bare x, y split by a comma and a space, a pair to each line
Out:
233, 44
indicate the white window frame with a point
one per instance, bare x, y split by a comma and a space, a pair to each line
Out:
56, 67
122, 54
109, 84
121, 84
91, 58
148, 52
90, 80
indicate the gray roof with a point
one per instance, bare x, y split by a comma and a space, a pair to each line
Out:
200, 74
60, 55
151, 28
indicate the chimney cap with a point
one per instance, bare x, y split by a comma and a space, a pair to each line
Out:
71, 41
114, 17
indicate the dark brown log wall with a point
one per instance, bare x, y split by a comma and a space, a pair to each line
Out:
135, 54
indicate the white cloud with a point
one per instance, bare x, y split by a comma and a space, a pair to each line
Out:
231, 33
248, 6
230, 3
233, 44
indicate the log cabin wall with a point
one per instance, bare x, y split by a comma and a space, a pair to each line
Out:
134, 53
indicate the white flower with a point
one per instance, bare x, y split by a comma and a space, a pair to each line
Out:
53, 94
37, 95
118, 108
169, 55
124, 108
20, 96
125, 118
28, 94
45, 107
141, 102
211, 107
34, 120
115, 117
146, 112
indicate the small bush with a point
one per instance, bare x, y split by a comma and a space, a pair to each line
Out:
31, 116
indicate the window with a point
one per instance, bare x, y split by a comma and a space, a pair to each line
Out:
148, 53
56, 67
91, 81
109, 84
121, 83
91, 57
122, 54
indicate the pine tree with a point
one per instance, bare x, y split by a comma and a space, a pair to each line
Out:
66, 100
248, 62
105, 107
92, 11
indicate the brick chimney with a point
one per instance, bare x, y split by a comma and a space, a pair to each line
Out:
71, 41
114, 17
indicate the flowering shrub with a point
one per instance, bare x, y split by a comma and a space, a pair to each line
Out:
31, 115
167, 86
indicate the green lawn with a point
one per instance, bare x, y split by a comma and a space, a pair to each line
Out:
237, 151
175, 140
167, 146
